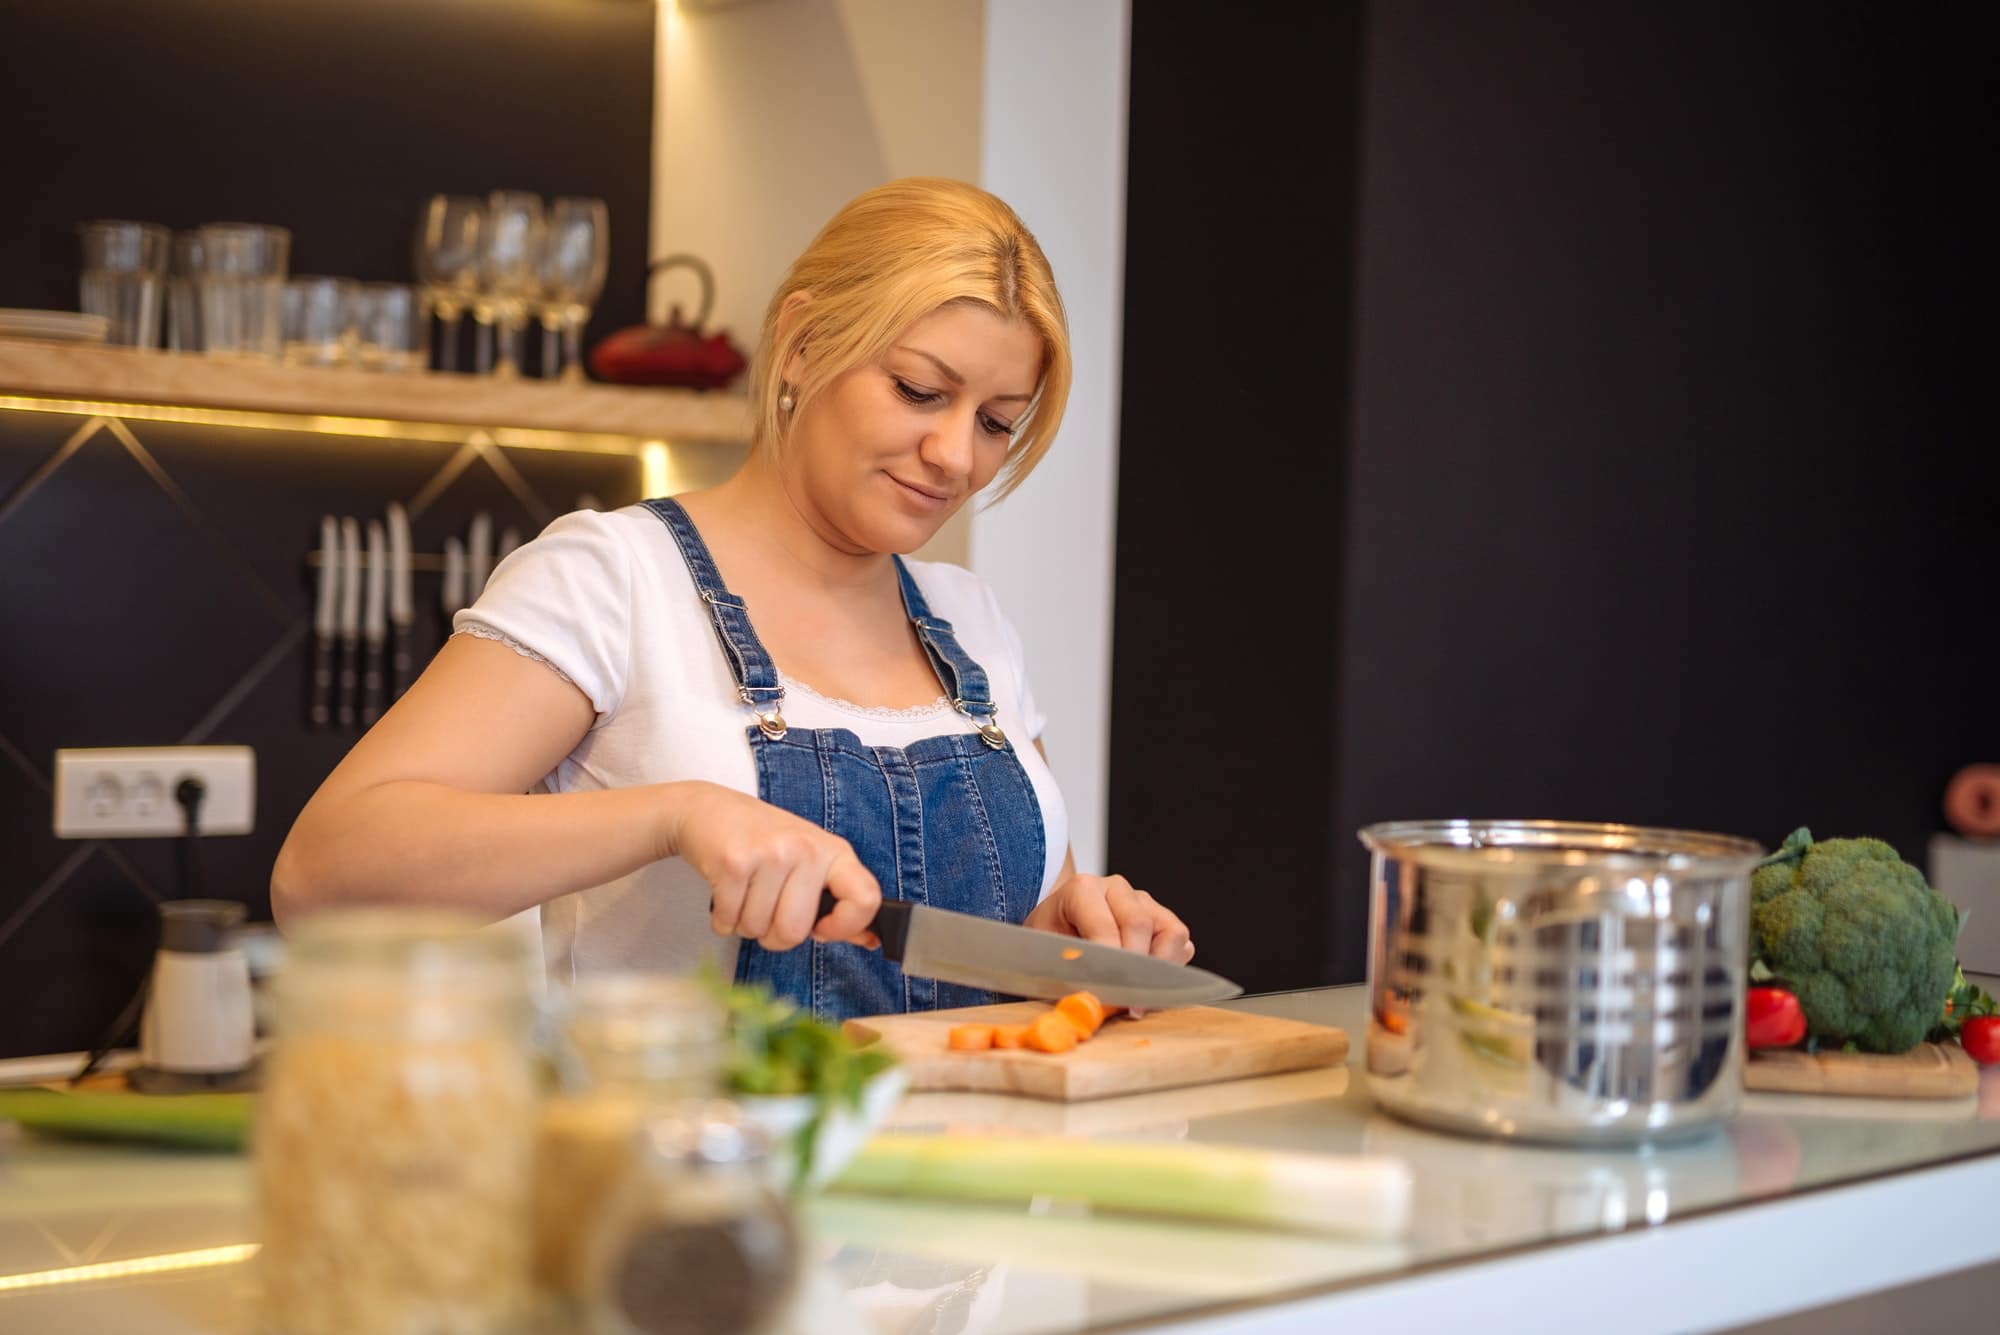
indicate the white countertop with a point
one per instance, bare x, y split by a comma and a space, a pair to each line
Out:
1796, 1202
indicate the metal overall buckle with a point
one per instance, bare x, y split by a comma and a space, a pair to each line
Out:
989, 731
769, 721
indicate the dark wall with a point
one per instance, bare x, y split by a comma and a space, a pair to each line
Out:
335, 118
1671, 498
1662, 498
1239, 237
156, 590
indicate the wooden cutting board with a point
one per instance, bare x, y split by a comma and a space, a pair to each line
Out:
1190, 1045
1927, 1071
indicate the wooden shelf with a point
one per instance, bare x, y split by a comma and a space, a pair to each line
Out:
124, 375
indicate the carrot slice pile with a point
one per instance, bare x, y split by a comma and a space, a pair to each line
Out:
1069, 1022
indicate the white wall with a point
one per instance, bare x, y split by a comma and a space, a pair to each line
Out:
773, 113
1053, 146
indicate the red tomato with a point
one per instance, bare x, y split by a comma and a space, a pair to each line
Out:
1772, 1018
1981, 1039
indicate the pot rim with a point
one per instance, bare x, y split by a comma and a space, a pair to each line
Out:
1555, 843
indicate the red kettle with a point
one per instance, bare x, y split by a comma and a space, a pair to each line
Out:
676, 353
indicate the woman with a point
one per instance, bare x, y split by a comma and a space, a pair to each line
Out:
680, 678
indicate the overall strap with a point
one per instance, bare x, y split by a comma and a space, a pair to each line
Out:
964, 680
756, 675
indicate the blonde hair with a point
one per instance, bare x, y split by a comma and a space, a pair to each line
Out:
889, 258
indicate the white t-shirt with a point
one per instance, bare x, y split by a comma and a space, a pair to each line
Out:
607, 601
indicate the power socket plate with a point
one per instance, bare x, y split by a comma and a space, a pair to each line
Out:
127, 792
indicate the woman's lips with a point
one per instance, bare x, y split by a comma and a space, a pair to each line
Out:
924, 496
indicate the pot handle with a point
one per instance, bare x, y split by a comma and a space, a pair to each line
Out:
701, 270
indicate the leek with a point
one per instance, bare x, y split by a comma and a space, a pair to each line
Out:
197, 1121
1352, 1195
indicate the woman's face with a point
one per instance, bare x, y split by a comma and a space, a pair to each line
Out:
892, 449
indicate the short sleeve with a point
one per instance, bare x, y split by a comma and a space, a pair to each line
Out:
1032, 721
566, 598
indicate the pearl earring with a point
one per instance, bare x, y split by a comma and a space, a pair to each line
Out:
786, 402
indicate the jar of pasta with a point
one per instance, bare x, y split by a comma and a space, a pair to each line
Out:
395, 1135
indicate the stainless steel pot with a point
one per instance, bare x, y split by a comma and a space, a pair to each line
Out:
1556, 980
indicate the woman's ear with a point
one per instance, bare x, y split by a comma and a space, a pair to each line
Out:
789, 316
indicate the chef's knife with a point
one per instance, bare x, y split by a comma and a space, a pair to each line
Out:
350, 618
402, 612
1024, 962
319, 709
374, 623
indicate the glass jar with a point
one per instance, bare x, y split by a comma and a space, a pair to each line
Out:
695, 1241
395, 1135
631, 1046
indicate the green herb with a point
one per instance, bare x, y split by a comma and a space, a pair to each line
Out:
776, 1049
1965, 1001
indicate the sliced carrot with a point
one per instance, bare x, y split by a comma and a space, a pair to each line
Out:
1072, 953
1084, 1011
970, 1037
1053, 1032
1009, 1035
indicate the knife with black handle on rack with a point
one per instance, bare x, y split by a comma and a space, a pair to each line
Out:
319, 708
401, 610
374, 623
350, 619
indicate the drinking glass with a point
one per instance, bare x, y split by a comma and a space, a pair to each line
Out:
389, 336
124, 267
242, 288
572, 274
319, 321
448, 264
509, 257
184, 294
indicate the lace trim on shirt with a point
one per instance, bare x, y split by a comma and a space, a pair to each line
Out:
916, 713
479, 632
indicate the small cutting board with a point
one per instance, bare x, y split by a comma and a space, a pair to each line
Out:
1190, 1045
1927, 1071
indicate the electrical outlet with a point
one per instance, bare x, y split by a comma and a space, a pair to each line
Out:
128, 792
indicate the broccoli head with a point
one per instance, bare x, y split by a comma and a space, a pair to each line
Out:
1865, 943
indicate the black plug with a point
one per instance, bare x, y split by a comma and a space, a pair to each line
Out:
189, 792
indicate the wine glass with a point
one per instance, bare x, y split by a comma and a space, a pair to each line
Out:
572, 273
510, 257
448, 263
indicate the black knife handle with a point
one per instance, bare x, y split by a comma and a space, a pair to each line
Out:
318, 708
371, 683
343, 705
892, 923
399, 660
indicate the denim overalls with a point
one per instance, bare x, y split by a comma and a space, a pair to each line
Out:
950, 821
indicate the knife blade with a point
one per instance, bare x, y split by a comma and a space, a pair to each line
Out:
478, 555
1026, 962
402, 612
319, 707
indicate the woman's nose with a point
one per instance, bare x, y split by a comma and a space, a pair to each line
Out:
949, 448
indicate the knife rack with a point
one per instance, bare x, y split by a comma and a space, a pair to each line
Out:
430, 561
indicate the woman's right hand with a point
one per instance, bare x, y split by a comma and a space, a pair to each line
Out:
765, 868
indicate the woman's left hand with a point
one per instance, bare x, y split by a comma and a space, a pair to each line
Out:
1109, 911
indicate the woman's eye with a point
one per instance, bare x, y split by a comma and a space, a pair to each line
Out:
915, 395
993, 427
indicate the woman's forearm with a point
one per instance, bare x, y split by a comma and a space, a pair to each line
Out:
494, 854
